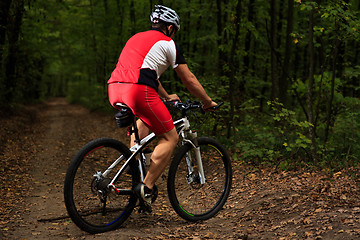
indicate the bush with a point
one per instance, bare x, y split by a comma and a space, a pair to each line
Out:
271, 138
91, 95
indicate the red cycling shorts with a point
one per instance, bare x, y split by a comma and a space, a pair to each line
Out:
145, 104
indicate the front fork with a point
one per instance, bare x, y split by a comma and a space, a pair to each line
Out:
197, 151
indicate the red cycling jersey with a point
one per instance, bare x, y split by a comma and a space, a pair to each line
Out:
134, 81
145, 57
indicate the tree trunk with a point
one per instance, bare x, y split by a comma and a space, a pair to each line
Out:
310, 102
248, 38
273, 43
96, 63
233, 67
220, 28
13, 31
4, 13
332, 91
151, 5
355, 81
120, 10
286, 65
106, 45
132, 17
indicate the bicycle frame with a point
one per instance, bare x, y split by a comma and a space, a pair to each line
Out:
101, 183
183, 128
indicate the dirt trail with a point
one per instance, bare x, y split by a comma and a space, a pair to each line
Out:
264, 204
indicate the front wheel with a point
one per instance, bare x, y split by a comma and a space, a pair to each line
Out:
91, 204
191, 199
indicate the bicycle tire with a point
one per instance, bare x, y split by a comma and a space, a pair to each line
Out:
90, 210
190, 199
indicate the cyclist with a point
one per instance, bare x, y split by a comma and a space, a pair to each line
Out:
135, 82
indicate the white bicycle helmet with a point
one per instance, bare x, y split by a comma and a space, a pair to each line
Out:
165, 14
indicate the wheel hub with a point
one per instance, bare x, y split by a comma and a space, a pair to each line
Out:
194, 180
100, 186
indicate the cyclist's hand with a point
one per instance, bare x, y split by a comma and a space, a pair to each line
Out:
208, 106
172, 97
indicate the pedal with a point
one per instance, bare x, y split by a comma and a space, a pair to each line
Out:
142, 206
144, 209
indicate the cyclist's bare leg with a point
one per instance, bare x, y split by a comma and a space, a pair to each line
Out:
143, 132
161, 156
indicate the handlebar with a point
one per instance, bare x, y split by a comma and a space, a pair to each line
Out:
190, 105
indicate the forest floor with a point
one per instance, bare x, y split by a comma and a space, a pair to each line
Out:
37, 145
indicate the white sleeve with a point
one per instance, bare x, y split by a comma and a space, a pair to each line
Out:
171, 54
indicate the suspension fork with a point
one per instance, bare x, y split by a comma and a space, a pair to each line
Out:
197, 151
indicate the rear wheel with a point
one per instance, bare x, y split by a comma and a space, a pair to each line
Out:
192, 200
91, 204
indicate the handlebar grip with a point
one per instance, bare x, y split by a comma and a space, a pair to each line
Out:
171, 103
189, 105
217, 106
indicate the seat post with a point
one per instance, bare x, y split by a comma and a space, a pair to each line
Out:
136, 132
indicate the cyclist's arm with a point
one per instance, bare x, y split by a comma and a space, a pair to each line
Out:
193, 85
165, 96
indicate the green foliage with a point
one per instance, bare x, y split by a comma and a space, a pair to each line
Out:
289, 128
69, 48
280, 138
271, 138
342, 149
91, 95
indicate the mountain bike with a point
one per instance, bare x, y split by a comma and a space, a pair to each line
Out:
100, 179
